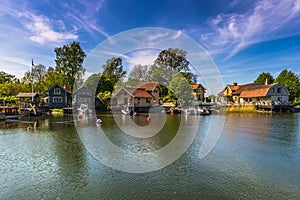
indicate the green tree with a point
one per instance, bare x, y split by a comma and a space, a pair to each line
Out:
181, 88
52, 77
37, 74
69, 60
139, 73
99, 83
12, 89
169, 62
6, 77
291, 81
113, 69
261, 79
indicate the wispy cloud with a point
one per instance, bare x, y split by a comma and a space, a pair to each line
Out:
38, 28
86, 17
233, 32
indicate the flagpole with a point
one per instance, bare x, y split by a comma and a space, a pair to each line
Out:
32, 65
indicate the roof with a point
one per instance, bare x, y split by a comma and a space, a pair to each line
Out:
196, 86
27, 95
168, 104
257, 91
148, 86
237, 89
138, 92
57, 85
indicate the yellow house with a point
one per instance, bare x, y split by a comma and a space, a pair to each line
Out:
231, 93
198, 92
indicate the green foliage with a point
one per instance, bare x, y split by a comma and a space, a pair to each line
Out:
261, 79
37, 74
105, 97
69, 60
139, 73
53, 77
9, 100
5, 77
99, 83
181, 88
169, 62
291, 81
113, 69
12, 89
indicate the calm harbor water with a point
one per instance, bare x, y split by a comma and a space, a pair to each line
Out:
256, 157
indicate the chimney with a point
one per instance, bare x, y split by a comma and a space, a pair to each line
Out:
235, 83
66, 85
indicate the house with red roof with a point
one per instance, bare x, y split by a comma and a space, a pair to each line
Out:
198, 92
140, 98
253, 92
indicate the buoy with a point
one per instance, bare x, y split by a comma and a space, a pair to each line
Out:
149, 118
98, 121
134, 114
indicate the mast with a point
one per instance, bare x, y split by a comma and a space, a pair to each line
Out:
32, 65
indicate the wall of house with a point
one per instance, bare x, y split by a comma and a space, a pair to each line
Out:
53, 98
198, 94
278, 93
155, 93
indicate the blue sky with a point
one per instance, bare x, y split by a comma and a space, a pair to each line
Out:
244, 38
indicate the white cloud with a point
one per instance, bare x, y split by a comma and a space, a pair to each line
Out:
234, 32
42, 31
140, 57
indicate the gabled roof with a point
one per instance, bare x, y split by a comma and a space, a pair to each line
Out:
27, 95
136, 92
257, 91
57, 85
196, 86
148, 86
237, 89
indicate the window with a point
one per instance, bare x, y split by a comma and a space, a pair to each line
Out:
273, 90
278, 90
56, 90
155, 91
57, 99
148, 101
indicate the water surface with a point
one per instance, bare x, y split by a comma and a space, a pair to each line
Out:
256, 157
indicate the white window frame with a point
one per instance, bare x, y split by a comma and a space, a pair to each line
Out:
57, 91
57, 100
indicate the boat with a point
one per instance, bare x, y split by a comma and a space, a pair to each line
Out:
2, 116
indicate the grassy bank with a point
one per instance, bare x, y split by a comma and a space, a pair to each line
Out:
241, 109
57, 111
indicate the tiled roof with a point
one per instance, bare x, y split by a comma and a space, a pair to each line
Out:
148, 86
57, 85
27, 95
256, 91
196, 86
239, 88
139, 93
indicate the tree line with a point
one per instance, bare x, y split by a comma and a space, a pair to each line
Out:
170, 69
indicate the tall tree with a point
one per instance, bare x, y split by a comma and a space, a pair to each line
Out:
37, 75
113, 69
291, 81
169, 62
139, 73
261, 79
69, 60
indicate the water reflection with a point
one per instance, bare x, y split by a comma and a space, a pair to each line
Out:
257, 157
